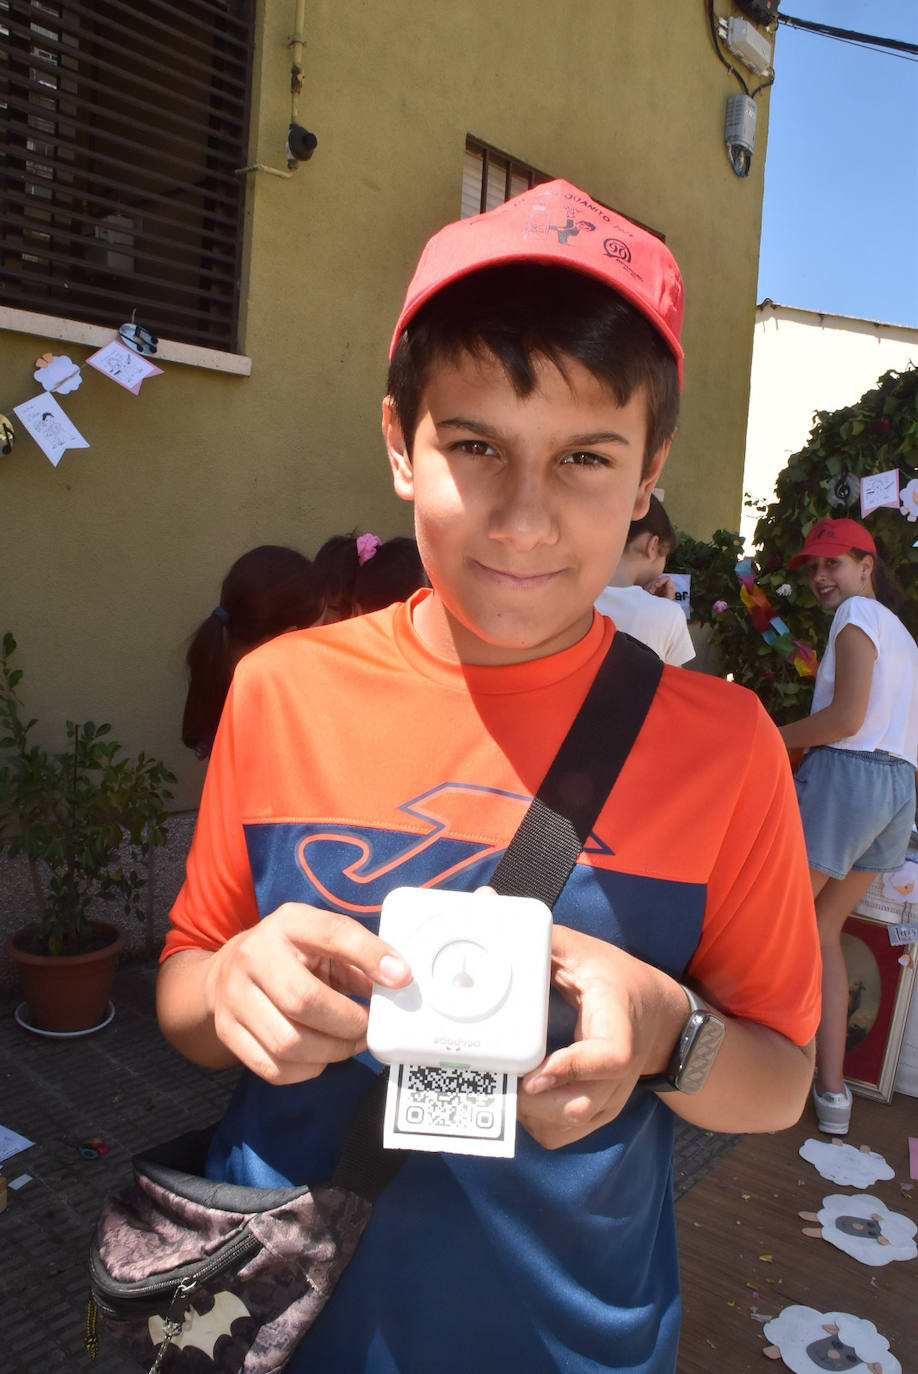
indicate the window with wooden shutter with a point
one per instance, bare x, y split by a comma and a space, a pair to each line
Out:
489, 177
122, 126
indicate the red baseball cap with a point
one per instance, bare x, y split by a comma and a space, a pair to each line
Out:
556, 223
828, 538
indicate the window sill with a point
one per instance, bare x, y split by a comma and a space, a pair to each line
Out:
95, 335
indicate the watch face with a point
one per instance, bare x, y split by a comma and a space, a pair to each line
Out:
704, 1035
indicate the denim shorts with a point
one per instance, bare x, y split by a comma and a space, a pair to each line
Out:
858, 809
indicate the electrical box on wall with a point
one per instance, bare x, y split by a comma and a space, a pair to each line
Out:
761, 11
751, 47
739, 132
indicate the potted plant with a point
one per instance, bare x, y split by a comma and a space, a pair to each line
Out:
85, 819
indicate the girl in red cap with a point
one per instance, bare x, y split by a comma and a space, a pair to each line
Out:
856, 784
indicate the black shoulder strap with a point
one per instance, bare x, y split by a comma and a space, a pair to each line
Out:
538, 860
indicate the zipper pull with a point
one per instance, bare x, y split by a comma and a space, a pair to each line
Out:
174, 1320
91, 1337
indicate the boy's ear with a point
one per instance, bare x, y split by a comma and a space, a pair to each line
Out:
397, 449
650, 479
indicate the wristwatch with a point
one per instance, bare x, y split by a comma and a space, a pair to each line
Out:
695, 1052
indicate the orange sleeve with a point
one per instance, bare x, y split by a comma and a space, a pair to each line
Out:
758, 956
217, 898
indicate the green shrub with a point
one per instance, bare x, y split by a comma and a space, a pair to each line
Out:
74, 815
876, 434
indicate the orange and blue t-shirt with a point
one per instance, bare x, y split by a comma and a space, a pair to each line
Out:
351, 760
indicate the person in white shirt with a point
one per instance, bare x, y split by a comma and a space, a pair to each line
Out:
856, 784
640, 597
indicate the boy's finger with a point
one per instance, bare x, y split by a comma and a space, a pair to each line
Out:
311, 1055
588, 1061
287, 1010
339, 937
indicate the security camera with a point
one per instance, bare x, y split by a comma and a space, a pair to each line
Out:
301, 145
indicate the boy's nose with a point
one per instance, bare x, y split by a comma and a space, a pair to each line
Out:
523, 513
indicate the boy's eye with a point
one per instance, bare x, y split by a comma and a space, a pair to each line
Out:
478, 448
582, 458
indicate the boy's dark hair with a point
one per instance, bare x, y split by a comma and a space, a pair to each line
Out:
657, 522
522, 311
267, 590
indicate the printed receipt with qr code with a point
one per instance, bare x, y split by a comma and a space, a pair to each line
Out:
461, 1111
471, 1021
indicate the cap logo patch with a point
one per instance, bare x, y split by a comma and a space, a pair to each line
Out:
570, 230
614, 248
540, 226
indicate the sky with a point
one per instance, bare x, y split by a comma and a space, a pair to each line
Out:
840, 214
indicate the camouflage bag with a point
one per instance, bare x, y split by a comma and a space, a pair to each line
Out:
192, 1276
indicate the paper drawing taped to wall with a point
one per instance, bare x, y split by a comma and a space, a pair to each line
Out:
122, 366
49, 426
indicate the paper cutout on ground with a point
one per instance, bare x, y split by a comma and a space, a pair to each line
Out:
913, 1156
49, 426
60, 374
902, 885
845, 1164
11, 1142
864, 1228
809, 1341
879, 489
123, 366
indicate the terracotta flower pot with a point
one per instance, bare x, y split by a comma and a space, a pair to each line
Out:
68, 992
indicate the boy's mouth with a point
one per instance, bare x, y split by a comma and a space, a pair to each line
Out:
515, 579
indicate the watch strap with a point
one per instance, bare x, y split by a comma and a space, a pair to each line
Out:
693, 1054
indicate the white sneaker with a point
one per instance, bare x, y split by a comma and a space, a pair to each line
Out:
833, 1111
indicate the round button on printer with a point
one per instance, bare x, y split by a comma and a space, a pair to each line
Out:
468, 981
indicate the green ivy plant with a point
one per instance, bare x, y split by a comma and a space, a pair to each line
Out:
75, 815
878, 433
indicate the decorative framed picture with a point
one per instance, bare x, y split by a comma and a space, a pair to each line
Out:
881, 977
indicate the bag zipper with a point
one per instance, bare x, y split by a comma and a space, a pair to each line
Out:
121, 1300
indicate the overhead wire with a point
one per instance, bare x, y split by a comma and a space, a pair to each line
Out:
895, 47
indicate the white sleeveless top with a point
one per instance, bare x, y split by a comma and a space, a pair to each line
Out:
891, 722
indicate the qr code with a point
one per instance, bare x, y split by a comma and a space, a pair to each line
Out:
450, 1102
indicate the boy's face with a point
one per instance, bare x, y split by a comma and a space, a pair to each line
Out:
522, 504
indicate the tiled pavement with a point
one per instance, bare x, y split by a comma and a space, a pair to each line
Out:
126, 1087
123, 1085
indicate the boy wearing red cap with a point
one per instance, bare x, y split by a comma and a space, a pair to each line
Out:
533, 392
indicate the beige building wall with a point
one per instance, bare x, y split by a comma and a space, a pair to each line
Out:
111, 560
803, 361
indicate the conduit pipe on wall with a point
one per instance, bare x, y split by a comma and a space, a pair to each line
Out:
297, 40
296, 43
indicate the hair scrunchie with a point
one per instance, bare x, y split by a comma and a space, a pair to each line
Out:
221, 615
367, 544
